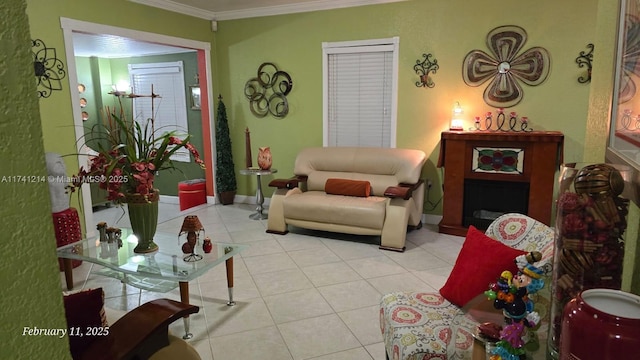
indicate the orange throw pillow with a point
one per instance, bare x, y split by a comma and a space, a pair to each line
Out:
361, 188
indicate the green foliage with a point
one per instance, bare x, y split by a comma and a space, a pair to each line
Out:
225, 171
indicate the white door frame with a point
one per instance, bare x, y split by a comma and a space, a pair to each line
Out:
68, 27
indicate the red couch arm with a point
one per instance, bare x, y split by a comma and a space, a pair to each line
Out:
139, 333
287, 183
403, 191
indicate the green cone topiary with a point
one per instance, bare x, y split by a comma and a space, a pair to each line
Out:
225, 172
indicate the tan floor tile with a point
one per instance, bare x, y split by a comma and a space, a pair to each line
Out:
264, 344
278, 282
317, 336
332, 273
351, 295
364, 323
297, 305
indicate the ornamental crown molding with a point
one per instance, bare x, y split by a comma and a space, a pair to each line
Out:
261, 11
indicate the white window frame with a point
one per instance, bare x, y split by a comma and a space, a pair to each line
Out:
180, 103
381, 45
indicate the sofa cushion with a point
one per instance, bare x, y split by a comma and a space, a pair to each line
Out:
480, 262
318, 206
382, 167
360, 188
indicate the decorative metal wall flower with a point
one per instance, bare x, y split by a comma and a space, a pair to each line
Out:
267, 92
506, 67
585, 59
48, 68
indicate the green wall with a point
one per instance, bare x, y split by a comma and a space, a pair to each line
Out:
446, 29
30, 281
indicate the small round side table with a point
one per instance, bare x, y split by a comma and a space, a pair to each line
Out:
259, 215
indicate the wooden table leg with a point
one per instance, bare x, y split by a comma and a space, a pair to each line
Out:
184, 298
229, 265
68, 273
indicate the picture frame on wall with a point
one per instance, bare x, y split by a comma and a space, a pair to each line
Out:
194, 90
624, 128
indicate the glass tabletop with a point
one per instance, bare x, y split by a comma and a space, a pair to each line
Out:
257, 171
158, 271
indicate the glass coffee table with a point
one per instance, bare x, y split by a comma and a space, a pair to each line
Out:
159, 271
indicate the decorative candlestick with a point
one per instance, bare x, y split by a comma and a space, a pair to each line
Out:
247, 149
513, 120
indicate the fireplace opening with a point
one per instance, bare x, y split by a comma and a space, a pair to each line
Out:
485, 200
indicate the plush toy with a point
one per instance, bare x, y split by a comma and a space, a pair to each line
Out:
511, 294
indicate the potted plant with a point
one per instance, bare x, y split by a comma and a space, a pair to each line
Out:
128, 154
225, 172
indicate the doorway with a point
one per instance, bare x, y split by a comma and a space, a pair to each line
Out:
74, 27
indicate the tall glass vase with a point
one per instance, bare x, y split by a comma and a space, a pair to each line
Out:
143, 215
591, 219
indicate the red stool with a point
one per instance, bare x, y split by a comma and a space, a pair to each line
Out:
66, 224
192, 193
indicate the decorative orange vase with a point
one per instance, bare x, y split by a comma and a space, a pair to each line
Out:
264, 158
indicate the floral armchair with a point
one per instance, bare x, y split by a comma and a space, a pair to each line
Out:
417, 325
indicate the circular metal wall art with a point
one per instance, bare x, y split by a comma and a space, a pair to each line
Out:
267, 92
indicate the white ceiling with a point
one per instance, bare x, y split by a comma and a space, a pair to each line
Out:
111, 46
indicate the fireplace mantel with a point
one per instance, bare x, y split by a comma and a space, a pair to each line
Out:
535, 157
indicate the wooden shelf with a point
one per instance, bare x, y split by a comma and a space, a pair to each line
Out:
542, 155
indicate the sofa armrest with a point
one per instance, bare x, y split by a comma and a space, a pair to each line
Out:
287, 183
141, 332
403, 191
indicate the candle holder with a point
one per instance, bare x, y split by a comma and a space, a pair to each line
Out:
512, 124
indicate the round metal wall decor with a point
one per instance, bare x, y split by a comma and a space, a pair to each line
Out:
506, 67
267, 93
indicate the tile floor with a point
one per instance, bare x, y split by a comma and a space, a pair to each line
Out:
299, 296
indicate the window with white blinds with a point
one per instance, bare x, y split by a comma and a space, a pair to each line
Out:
360, 82
170, 109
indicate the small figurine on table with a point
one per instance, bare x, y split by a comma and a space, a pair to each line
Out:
511, 294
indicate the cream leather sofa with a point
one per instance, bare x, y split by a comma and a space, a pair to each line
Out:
395, 202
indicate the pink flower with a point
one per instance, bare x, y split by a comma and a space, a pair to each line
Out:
138, 166
174, 141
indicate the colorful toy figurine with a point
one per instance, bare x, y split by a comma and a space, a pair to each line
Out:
511, 294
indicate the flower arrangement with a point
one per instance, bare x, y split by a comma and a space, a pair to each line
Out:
129, 154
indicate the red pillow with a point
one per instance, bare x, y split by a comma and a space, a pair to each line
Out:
84, 310
361, 188
480, 262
